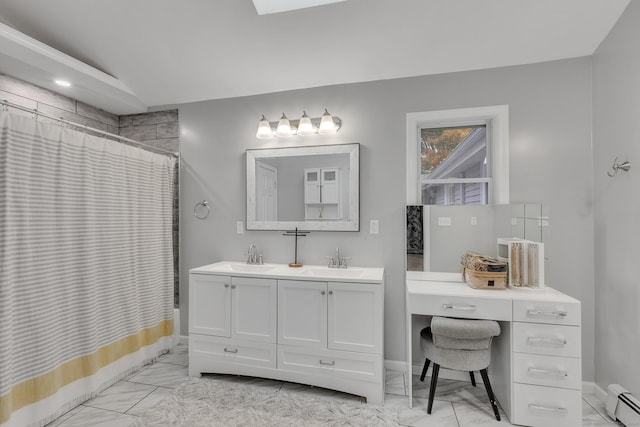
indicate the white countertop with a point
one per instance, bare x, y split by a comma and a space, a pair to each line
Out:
436, 283
283, 271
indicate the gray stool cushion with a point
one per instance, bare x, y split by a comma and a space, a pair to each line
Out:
460, 344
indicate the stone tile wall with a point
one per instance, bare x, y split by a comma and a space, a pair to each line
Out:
155, 129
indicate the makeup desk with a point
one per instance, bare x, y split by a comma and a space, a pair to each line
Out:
536, 366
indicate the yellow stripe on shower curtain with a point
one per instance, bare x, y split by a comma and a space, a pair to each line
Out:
38, 388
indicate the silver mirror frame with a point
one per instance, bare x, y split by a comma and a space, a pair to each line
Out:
352, 224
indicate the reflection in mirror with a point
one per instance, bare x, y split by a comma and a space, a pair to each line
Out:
311, 188
448, 231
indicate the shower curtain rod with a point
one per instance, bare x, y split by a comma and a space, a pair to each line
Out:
87, 128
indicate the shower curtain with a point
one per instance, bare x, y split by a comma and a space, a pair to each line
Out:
86, 265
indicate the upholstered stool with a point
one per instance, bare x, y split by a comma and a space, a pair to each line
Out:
462, 345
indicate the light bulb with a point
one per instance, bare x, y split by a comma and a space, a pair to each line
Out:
327, 125
305, 127
284, 127
264, 129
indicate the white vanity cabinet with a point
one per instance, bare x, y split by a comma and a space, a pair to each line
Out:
232, 322
281, 323
547, 364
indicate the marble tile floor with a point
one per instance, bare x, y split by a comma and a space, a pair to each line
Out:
457, 404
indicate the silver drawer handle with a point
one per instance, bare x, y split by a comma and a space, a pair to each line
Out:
230, 350
547, 408
332, 363
459, 307
542, 340
547, 313
557, 372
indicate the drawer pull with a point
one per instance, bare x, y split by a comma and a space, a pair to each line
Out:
459, 307
543, 340
555, 372
230, 350
538, 313
548, 408
331, 363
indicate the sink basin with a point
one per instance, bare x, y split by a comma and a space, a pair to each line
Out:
334, 272
246, 268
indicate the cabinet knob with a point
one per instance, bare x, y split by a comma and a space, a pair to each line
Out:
330, 292
233, 286
226, 285
322, 292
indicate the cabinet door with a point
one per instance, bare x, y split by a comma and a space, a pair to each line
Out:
330, 186
210, 305
254, 312
312, 185
302, 313
355, 317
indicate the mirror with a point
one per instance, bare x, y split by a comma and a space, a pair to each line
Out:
438, 235
309, 188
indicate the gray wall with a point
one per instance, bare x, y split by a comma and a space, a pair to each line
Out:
550, 163
616, 111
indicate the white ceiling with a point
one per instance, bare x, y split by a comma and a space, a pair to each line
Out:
164, 52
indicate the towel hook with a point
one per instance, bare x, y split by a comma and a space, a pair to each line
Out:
625, 166
201, 209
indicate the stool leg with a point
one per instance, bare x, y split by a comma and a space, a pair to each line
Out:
424, 370
473, 378
492, 398
432, 389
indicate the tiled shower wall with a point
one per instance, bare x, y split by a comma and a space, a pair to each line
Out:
158, 129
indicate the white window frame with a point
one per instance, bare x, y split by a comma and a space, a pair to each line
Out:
495, 117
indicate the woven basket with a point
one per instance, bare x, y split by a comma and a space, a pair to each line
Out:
484, 279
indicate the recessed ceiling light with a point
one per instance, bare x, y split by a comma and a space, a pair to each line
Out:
63, 83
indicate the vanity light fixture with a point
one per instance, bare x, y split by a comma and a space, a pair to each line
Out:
264, 129
62, 83
327, 124
284, 129
305, 126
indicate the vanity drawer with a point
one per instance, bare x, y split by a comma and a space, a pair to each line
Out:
546, 406
559, 313
467, 307
329, 363
215, 350
546, 370
555, 340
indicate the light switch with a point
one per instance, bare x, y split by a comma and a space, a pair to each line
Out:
239, 227
374, 226
474, 220
444, 221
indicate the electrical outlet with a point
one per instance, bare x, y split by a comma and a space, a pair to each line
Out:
374, 226
239, 227
444, 221
474, 220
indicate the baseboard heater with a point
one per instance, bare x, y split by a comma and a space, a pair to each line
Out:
623, 406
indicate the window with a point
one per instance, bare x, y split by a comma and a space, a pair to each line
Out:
453, 166
458, 156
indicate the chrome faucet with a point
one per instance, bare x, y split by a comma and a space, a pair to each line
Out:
253, 257
337, 261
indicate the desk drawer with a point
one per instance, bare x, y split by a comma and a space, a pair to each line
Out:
555, 340
558, 313
467, 307
546, 406
546, 370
